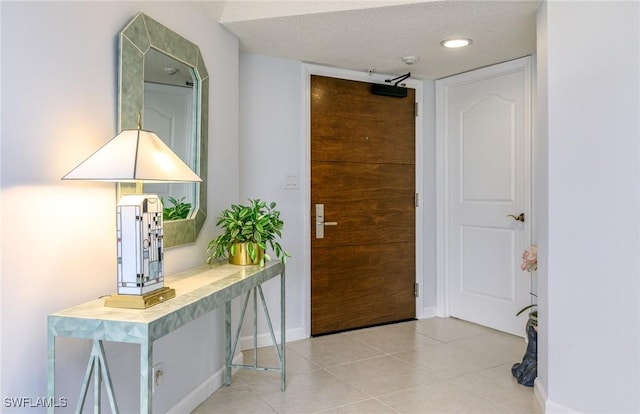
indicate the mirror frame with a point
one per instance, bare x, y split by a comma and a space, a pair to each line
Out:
138, 36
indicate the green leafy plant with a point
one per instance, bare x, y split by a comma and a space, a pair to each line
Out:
177, 211
257, 224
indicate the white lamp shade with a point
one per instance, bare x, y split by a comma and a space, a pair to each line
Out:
134, 155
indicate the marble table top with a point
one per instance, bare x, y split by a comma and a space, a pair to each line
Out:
198, 291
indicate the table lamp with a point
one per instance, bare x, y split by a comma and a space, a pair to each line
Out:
137, 156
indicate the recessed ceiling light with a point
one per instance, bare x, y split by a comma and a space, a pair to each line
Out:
456, 43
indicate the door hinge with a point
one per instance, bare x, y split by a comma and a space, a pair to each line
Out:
415, 109
416, 290
417, 200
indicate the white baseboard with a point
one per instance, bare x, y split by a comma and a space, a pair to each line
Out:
264, 339
196, 397
211, 384
430, 312
540, 393
199, 395
549, 406
552, 407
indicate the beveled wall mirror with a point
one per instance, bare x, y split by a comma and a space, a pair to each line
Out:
164, 80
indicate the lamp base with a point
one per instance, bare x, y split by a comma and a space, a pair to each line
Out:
140, 301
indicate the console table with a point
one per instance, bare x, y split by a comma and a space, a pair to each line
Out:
198, 291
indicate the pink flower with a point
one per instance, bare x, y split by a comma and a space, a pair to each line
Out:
530, 259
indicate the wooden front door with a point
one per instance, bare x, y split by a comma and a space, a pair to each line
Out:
363, 176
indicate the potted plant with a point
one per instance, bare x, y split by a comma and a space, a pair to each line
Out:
526, 371
530, 264
246, 232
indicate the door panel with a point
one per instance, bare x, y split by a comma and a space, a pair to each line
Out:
373, 195
373, 220
488, 137
346, 299
363, 172
488, 146
350, 124
351, 181
492, 277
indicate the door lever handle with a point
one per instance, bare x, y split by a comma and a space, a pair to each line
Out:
518, 218
320, 223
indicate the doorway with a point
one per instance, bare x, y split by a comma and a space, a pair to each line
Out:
484, 135
363, 194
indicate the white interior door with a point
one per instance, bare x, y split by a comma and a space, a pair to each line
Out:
487, 139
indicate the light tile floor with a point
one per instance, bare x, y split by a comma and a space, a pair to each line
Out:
438, 365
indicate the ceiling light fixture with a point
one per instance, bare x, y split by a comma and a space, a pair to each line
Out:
456, 43
410, 60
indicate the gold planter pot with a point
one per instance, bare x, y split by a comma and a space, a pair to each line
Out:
241, 257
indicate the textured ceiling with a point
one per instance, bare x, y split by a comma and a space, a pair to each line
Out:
375, 35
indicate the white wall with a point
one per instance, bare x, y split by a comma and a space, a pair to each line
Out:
428, 198
590, 342
272, 146
540, 189
59, 104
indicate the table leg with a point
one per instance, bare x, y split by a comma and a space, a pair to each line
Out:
230, 346
97, 386
283, 330
146, 377
227, 343
51, 370
281, 350
98, 369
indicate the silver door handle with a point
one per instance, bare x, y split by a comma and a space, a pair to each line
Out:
320, 223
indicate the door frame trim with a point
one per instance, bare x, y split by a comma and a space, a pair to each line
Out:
313, 69
442, 165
